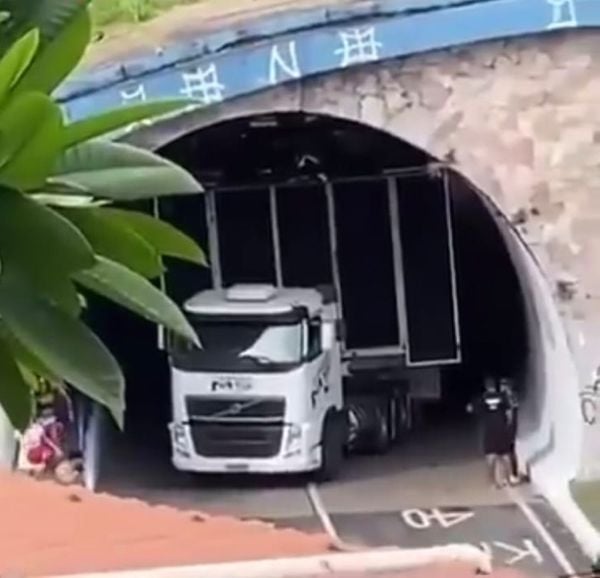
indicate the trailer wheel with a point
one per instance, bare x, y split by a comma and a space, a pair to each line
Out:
381, 436
333, 442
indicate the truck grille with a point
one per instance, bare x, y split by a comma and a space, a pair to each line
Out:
211, 408
220, 440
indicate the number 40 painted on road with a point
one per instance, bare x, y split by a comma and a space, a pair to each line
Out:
424, 519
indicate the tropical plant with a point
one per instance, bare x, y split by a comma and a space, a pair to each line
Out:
60, 231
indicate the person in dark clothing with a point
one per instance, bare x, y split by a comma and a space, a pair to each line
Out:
507, 389
498, 437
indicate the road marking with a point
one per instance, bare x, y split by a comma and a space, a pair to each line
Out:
537, 524
422, 519
518, 554
319, 509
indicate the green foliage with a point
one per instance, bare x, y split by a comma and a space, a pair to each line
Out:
101, 124
106, 12
166, 239
111, 239
63, 343
22, 219
50, 17
17, 60
15, 395
131, 290
56, 58
57, 233
121, 172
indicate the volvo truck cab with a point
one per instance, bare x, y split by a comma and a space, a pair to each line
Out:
263, 393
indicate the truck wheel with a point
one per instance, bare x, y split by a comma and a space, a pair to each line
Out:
332, 449
381, 437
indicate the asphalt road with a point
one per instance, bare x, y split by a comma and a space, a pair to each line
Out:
432, 492
503, 530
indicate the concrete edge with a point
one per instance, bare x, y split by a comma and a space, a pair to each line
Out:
366, 561
563, 503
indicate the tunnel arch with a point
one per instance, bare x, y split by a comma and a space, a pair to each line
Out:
498, 109
550, 426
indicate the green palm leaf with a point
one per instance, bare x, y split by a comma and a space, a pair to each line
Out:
122, 172
130, 290
62, 343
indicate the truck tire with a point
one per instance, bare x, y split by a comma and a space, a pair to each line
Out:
333, 442
381, 437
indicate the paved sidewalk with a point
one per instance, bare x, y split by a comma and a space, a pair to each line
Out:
445, 571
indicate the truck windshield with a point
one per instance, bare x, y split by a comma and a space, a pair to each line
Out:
260, 343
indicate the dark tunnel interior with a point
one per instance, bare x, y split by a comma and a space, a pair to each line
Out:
301, 151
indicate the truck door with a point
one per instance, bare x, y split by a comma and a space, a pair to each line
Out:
303, 232
429, 273
245, 236
365, 265
326, 391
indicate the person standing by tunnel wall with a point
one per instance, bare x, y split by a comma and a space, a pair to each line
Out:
493, 409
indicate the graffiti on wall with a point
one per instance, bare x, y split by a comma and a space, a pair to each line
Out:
211, 73
589, 399
564, 14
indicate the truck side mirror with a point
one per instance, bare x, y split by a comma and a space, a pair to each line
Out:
163, 339
327, 336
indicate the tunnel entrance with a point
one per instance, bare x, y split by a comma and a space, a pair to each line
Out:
324, 186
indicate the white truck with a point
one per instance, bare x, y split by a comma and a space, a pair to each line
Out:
264, 394
290, 376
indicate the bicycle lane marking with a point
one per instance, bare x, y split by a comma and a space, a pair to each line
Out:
559, 555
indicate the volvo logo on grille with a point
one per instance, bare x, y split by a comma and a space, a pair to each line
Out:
236, 408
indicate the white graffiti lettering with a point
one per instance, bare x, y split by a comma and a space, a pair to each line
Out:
424, 519
283, 67
358, 45
135, 94
588, 399
564, 14
203, 84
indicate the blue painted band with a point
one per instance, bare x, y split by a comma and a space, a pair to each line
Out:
288, 48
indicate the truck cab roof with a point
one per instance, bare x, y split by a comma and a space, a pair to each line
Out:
254, 300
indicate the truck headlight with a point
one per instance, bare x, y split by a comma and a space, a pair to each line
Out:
294, 437
180, 440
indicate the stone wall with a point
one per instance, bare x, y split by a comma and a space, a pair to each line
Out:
521, 120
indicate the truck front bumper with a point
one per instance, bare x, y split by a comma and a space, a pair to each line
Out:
299, 452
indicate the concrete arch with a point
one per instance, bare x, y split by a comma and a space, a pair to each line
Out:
469, 106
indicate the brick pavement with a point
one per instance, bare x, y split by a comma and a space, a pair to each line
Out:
48, 530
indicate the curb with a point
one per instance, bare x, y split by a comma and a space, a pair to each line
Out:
396, 559
575, 520
318, 508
